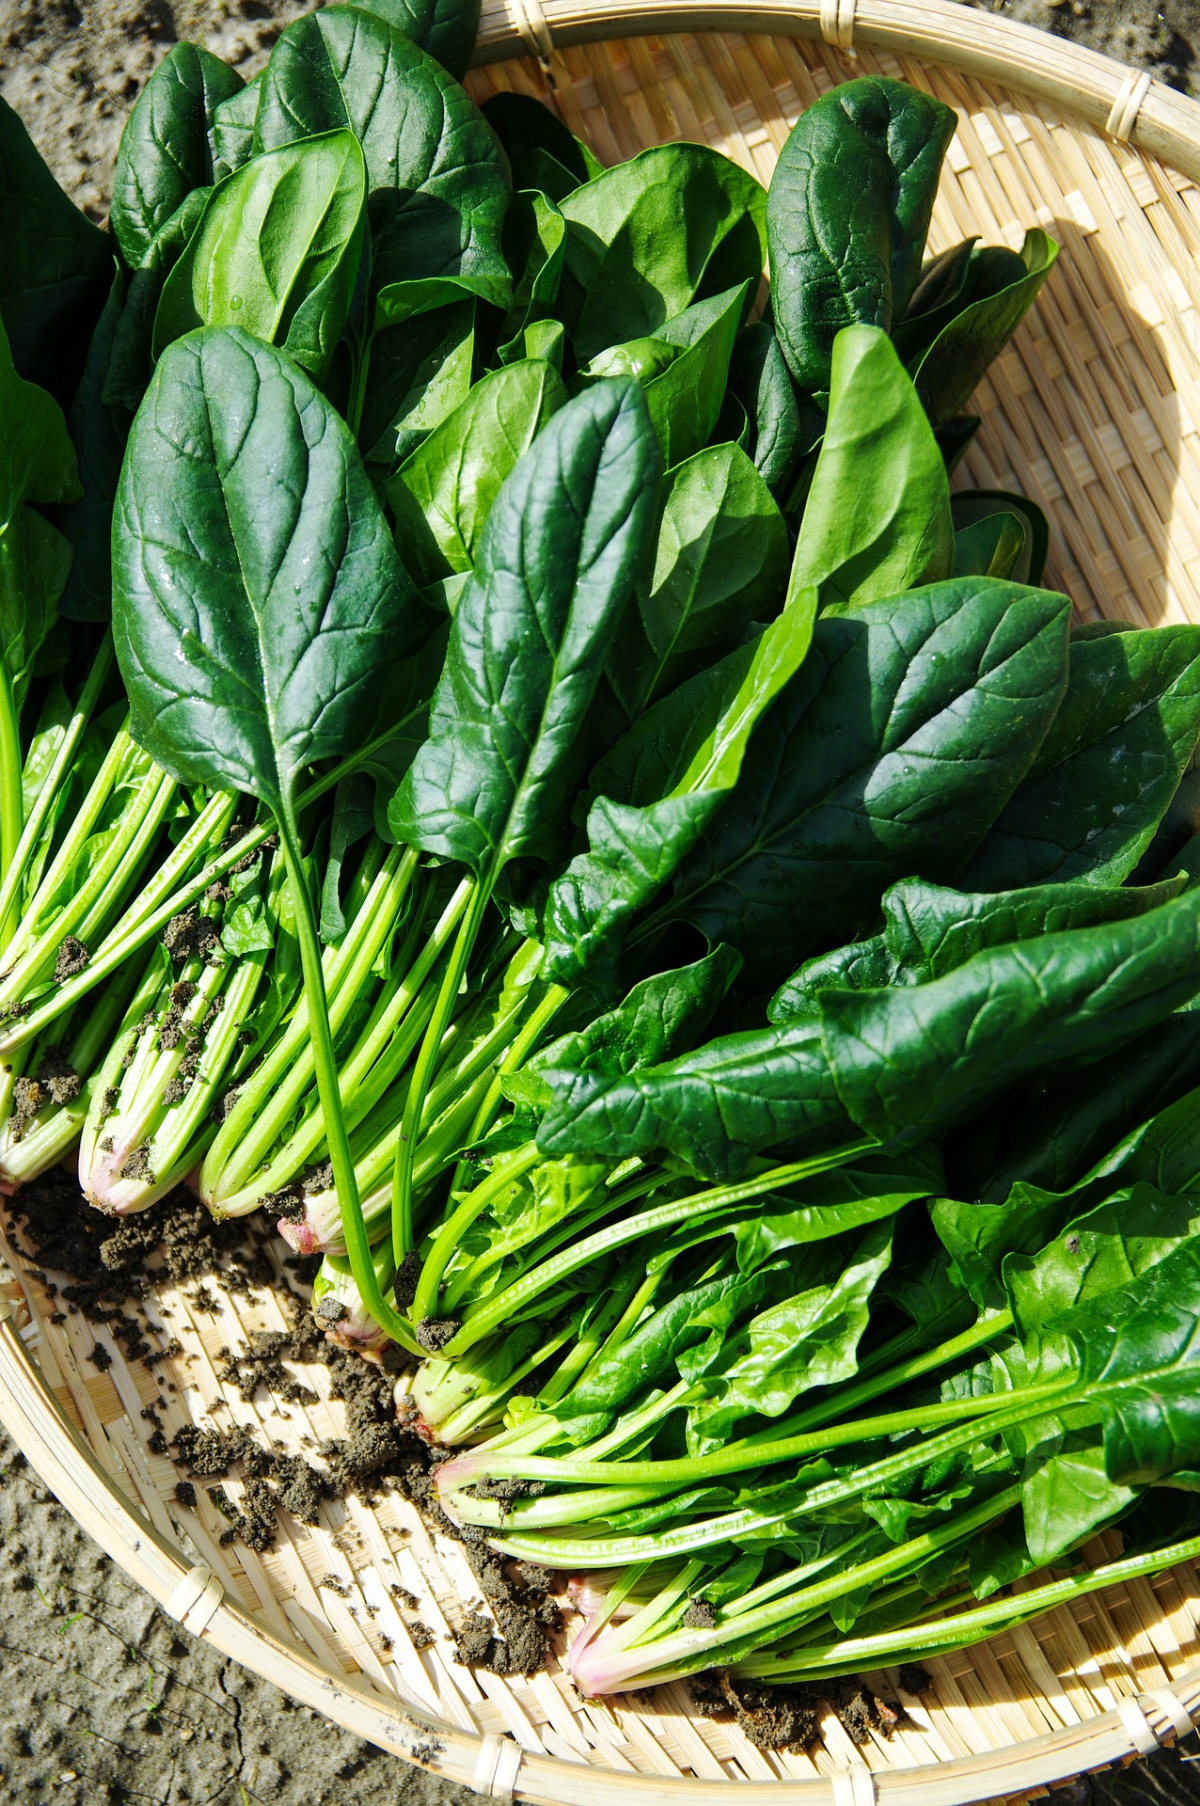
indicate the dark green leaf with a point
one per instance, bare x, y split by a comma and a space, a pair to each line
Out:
258, 600
759, 378
849, 1197
436, 173
1002, 287
994, 547
926, 1056
530, 133
909, 725
684, 399
99, 433
167, 146
848, 213
130, 363
714, 1109
972, 507
877, 519
555, 567
55, 266
420, 372
447, 29
978, 1236
276, 252
1108, 767
37, 464
444, 491
645, 240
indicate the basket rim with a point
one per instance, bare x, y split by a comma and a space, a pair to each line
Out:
1164, 124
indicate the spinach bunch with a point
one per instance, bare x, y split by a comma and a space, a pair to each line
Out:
519, 633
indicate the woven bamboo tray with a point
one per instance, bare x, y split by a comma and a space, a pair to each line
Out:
1094, 411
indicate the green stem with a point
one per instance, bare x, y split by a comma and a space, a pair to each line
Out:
456, 1225
11, 767
941, 1636
358, 1248
737, 1457
422, 1078
495, 1311
14, 871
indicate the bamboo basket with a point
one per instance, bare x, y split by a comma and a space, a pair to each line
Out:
1094, 410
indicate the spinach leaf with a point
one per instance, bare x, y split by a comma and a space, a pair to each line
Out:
447, 29
972, 508
1051, 1132
660, 1016
1002, 286
98, 433
1108, 767
920, 1057
130, 363
808, 1340
1097, 1253
535, 239
420, 372
248, 535
848, 214
443, 493
276, 252
929, 930
435, 172
55, 266
233, 128
37, 464
167, 147
721, 560
992, 547
687, 754
674, 225
978, 1236
534, 139
942, 292
553, 572
714, 1109
908, 727
849, 1197
684, 399
759, 378
877, 519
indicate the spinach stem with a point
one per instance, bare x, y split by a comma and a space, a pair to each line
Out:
422, 1078
11, 809
358, 1249
15, 870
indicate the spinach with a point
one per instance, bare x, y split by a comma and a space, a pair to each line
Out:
721, 560
553, 572
420, 373
167, 147
55, 266
442, 494
233, 128
1108, 767
674, 225
447, 29
848, 213
276, 252
247, 534
906, 730
37, 465
436, 175
685, 376
971, 509
924, 1056
1000, 288
98, 433
759, 379
540, 148
877, 519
